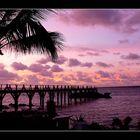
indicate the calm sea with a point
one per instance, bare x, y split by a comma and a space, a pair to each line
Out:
125, 102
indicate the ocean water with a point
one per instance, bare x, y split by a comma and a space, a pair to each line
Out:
125, 102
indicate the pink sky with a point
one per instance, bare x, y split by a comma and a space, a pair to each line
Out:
101, 48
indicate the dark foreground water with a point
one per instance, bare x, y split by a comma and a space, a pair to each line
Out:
125, 102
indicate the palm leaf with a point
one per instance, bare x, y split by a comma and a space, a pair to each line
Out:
39, 41
25, 34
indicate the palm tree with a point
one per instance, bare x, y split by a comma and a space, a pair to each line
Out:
22, 32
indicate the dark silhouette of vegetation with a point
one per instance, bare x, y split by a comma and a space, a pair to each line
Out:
22, 32
41, 120
119, 124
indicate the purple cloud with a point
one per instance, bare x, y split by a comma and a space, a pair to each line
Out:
102, 64
137, 63
124, 76
92, 17
123, 41
6, 75
83, 77
131, 56
90, 54
117, 53
87, 64
74, 62
93, 54
104, 74
133, 22
36, 67
19, 66
67, 78
81, 55
2, 66
120, 20
61, 60
32, 79
47, 67
44, 60
56, 68
104, 51
46, 73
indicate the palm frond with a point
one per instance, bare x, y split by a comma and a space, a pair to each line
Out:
48, 42
25, 34
22, 17
7, 16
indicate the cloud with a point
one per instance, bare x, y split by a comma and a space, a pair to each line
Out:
70, 77
42, 70
102, 64
87, 64
104, 51
90, 54
2, 66
54, 82
61, 60
131, 56
81, 55
67, 78
104, 74
128, 63
92, 17
84, 77
47, 67
6, 76
124, 76
126, 21
44, 60
74, 62
117, 53
36, 67
46, 73
93, 54
19, 66
32, 79
56, 68
133, 22
123, 41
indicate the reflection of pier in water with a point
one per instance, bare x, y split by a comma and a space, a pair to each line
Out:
61, 93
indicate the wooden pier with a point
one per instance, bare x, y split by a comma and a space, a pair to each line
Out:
61, 93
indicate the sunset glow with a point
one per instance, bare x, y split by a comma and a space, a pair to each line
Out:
101, 48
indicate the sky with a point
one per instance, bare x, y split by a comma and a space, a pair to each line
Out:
101, 48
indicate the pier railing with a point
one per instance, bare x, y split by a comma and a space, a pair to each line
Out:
60, 92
